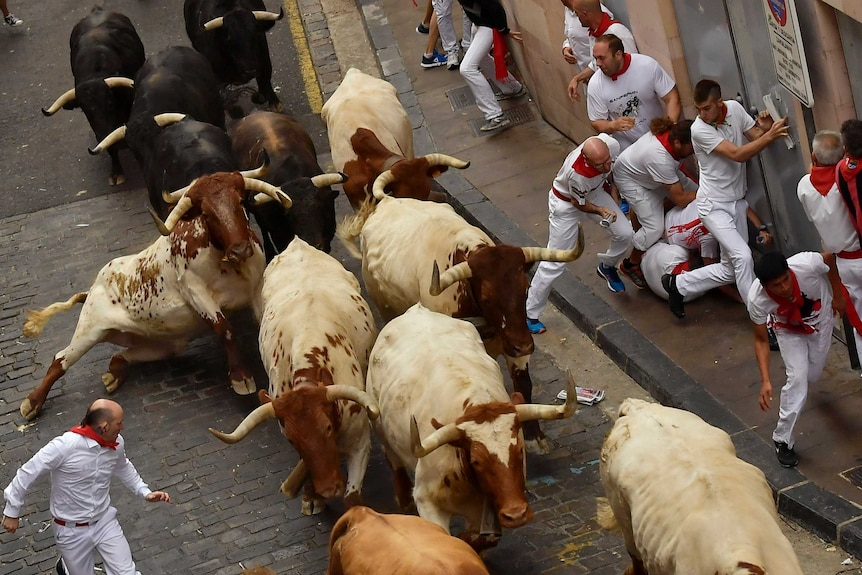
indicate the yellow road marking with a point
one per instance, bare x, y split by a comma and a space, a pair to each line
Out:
303, 54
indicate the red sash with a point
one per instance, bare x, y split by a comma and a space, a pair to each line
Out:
88, 431
500, 49
791, 309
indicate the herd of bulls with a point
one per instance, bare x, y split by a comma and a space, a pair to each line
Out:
428, 382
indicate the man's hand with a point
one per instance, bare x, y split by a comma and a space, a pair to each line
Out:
778, 129
764, 121
569, 55
839, 304
581, 77
158, 496
765, 395
623, 124
10, 524
516, 36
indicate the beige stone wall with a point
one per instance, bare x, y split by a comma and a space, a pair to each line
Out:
852, 8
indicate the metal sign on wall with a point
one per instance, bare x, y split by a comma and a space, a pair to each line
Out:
787, 50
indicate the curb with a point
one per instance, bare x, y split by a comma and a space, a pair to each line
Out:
823, 513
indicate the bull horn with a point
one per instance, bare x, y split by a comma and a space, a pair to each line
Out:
336, 392
323, 180
166, 227
263, 15
446, 434
266, 192
262, 170
444, 160
534, 411
119, 82
175, 196
168, 118
456, 273
109, 141
252, 420
67, 97
214, 23
381, 182
534, 254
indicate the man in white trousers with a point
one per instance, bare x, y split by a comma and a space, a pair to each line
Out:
446, 28
581, 191
82, 463
797, 297
724, 137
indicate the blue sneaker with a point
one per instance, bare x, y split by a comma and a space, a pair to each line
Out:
609, 274
624, 207
535, 326
435, 60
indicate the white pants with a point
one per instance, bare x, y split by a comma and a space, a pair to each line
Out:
446, 26
804, 357
728, 224
563, 221
851, 276
77, 544
648, 204
661, 258
477, 57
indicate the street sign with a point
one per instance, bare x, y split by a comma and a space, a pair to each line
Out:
787, 50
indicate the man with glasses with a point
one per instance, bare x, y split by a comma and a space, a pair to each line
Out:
581, 190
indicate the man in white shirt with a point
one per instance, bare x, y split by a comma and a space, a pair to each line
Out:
82, 463
598, 23
632, 90
581, 190
577, 46
719, 136
821, 199
797, 297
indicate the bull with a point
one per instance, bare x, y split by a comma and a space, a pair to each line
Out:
480, 279
106, 54
208, 261
686, 505
369, 133
232, 36
294, 168
362, 540
316, 332
446, 418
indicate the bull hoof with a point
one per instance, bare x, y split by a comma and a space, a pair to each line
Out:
111, 382
244, 386
312, 506
116, 180
538, 446
30, 410
290, 491
276, 107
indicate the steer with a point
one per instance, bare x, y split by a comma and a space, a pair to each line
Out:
316, 332
207, 262
363, 540
295, 169
446, 418
232, 36
369, 132
685, 504
106, 54
480, 279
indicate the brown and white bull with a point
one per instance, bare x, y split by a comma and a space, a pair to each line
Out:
446, 418
364, 542
684, 502
403, 243
207, 262
369, 133
316, 332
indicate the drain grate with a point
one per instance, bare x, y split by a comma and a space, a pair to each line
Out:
854, 476
517, 115
460, 98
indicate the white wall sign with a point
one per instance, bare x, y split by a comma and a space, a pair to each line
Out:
787, 51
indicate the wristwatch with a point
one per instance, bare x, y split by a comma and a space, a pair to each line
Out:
762, 228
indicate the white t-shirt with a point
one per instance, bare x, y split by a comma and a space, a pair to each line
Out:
636, 93
646, 164
721, 179
574, 185
810, 270
829, 215
683, 228
578, 37
619, 30
659, 259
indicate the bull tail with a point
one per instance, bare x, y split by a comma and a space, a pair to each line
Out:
350, 227
36, 319
605, 516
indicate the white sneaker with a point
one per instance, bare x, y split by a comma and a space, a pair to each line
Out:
12, 20
452, 60
495, 124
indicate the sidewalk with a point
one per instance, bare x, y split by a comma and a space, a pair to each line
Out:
704, 364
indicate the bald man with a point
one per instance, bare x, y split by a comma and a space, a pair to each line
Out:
82, 463
581, 191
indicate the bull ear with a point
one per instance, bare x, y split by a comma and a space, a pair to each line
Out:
263, 397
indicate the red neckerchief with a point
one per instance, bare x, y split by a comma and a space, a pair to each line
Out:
583, 168
681, 267
88, 431
847, 171
791, 309
603, 25
664, 138
823, 178
721, 117
627, 60
500, 49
